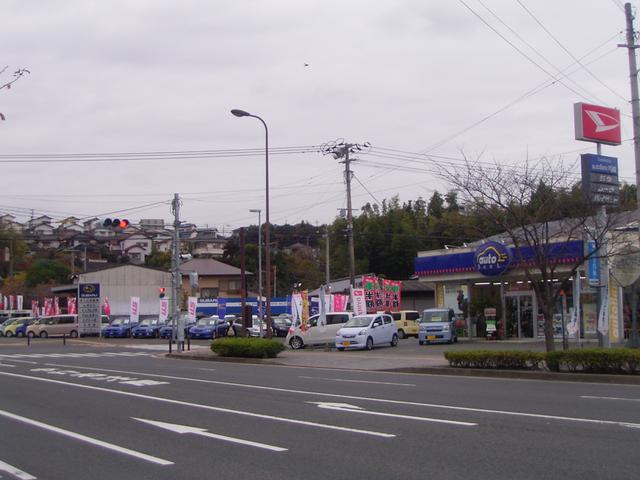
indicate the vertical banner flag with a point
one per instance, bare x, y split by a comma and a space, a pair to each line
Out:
379, 297
71, 305
20, 301
106, 307
1, 302
12, 302
134, 311
369, 285
322, 319
386, 287
396, 295
192, 303
164, 310
603, 316
304, 315
35, 308
48, 307
296, 309
56, 305
340, 302
359, 302
222, 307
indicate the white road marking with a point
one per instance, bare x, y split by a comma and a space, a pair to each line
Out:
84, 438
20, 361
595, 397
6, 365
74, 355
370, 399
345, 407
16, 472
205, 407
137, 382
182, 429
359, 381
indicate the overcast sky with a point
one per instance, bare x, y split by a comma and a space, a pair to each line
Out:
136, 76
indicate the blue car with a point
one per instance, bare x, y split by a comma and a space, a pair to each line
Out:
209, 327
437, 325
147, 328
21, 329
119, 327
167, 330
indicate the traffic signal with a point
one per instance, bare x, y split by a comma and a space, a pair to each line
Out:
116, 223
161, 292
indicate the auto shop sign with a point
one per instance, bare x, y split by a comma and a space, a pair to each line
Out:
595, 123
89, 309
492, 259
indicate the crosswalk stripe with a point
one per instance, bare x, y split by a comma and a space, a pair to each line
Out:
75, 355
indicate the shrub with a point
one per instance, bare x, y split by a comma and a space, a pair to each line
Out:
247, 347
595, 360
492, 359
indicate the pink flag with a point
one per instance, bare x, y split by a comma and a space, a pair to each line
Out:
71, 305
48, 307
35, 308
106, 307
339, 302
56, 305
1, 302
12, 302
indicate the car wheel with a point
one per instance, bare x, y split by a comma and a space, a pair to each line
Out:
420, 342
8, 334
369, 345
44, 334
296, 343
394, 340
73, 334
401, 334
340, 349
31, 334
455, 340
247, 333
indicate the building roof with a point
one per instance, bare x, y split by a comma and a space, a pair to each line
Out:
209, 266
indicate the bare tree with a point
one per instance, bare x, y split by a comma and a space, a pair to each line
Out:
540, 210
17, 75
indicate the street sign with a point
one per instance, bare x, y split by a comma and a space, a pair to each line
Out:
595, 123
89, 309
593, 264
600, 179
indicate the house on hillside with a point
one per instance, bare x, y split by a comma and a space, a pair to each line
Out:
215, 279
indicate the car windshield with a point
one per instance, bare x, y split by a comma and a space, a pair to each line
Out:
282, 322
8, 321
435, 316
358, 322
119, 321
203, 322
149, 321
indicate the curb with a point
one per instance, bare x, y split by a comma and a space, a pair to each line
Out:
444, 370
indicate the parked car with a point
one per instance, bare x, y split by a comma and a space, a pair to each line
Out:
209, 327
18, 327
55, 325
437, 325
167, 330
7, 321
147, 328
280, 326
407, 322
7, 314
300, 336
120, 327
367, 331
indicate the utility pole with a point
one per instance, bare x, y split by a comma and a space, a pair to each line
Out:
327, 263
635, 111
342, 150
175, 264
243, 282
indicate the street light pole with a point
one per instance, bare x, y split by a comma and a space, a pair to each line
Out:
259, 212
267, 227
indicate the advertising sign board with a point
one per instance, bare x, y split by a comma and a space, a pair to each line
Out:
595, 123
492, 259
89, 309
600, 179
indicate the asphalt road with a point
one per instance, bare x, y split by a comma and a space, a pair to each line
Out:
122, 411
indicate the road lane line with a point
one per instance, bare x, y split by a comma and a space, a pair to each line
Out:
84, 438
345, 407
182, 429
359, 381
7, 365
16, 472
367, 399
595, 397
20, 361
204, 407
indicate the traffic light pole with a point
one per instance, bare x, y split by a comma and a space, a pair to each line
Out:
175, 267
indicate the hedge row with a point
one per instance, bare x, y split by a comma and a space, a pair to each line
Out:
588, 360
246, 347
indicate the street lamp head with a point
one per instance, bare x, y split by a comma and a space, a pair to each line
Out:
255, 210
240, 113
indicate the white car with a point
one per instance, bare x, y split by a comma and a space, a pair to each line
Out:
313, 334
367, 331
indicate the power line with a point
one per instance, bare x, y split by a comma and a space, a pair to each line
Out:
555, 39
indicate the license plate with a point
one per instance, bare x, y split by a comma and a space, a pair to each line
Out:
345, 344
431, 337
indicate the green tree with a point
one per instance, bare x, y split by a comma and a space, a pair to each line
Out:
158, 259
47, 271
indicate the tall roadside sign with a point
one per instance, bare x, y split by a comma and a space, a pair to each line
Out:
89, 309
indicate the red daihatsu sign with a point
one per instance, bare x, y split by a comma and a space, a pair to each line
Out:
598, 124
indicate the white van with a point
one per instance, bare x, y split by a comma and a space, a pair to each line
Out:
313, 334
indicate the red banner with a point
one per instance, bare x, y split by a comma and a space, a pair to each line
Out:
35, 308
71, 305
56, 305
106, 307
48, 307
370, 284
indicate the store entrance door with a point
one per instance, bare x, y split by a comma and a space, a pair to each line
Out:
521, 308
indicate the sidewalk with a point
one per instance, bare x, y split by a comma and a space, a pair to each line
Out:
408, 359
